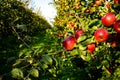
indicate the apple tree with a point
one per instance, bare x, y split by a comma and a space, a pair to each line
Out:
90, 35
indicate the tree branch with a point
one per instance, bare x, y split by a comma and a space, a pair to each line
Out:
22, 39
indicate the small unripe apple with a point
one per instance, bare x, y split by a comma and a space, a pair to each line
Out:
117, 26
71, 14
78, 33
113, 40
87, 11
108, 19
69, 42
91, 47
77, 6
59, 35
107, 4
98, 2
71, 23
114, 43
101, 35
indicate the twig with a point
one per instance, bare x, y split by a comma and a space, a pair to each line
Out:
22, 39
54, 53
25, 66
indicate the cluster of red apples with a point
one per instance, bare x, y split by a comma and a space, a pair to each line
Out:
100, 35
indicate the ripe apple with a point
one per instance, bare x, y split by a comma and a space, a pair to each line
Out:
116, 1
78, 33
108, 19
101, 35
117, 26
69, 42
91, 47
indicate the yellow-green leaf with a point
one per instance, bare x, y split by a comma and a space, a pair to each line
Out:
17, 73
34, 72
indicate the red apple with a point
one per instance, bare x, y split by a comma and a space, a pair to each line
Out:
116, 1
108, 19
117, 26
101, 35
91, 47
69, 42
78, 33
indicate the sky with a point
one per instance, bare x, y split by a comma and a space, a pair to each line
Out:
47, 9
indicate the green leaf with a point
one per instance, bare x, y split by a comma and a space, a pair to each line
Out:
94, 27
98, 66
117, 71
47, 59
109, 58
74, 52
86, 56
17, 73
55, 61
17, 62
93, 9
34, 72
118, 16
93, 22
81, 38
81, 47
16, 19
83, 3
30, 60
10, 59
22, 52
43, 65
36, 64
105, 63
88, 41
28, 79
22, 27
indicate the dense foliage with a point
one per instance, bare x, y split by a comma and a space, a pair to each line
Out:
96, 53
18, 26
83, 44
